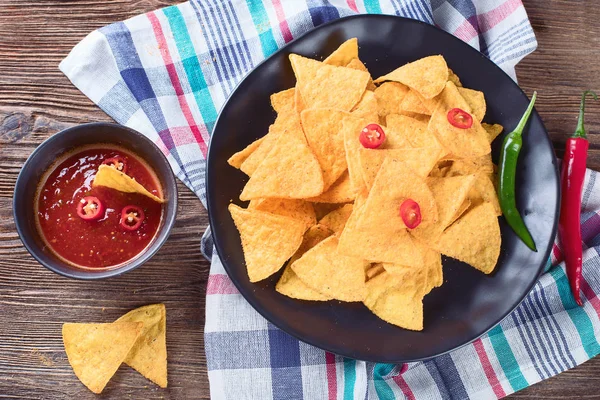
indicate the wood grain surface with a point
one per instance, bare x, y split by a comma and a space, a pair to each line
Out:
36, 100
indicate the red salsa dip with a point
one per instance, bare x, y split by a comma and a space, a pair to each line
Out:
97, 227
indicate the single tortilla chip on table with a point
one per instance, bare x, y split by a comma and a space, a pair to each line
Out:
95, 351
148, 355
298, 209
268, 240
111, 177
427, 75
336, 220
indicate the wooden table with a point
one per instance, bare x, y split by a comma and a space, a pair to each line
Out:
36, 100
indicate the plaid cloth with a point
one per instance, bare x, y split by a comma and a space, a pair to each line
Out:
168, 72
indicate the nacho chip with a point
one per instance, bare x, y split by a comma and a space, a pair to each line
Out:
238, 158
290, 170
474, 238
148, 356
427, 75
484, 190
322, 209
326, 86
367, 107
283, 102
322, 128
340, 192
461, 210
111, 177
95, 351
298, 209
389, 97
268, 240
289, 284
299, 105
326, 270
493, 131
347, 52
476, 101
413, 131
467, 143
351, 128
336, 220
452, 77
412, 103
373, 270
357, 64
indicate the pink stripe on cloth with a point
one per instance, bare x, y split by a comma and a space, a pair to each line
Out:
185, 108
465, 31
399, 380
220, 284
331, 375
488, 369
487, 21
590, 295
283, 25
352, 5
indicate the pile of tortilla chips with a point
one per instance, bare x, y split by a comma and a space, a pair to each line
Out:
328, 208
138, 339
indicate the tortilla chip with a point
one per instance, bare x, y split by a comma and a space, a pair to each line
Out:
95, 351
299, 105
322, 209
412, 103
326, 86
268, 240
336, 220
351, 128
289, 284
344, 54
467, 143
283, 102
326, 270
413, 131
238, 158
298, 209
322, 128
484, 190
389, 97
357, 64
340, 192
290, 171
373, 270
493, 131
462, 209
254, 159
476, 101
435, 275
474, 238
452, 77
148, 355
111, 177
427, 75
367, 107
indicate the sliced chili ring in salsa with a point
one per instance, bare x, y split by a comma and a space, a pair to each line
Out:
118, 162
460, 118
90, 208
131, 218
410, 212
372, 136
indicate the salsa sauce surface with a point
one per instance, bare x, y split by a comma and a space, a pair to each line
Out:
102, 243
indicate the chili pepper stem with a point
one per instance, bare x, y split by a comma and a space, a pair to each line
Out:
580, 131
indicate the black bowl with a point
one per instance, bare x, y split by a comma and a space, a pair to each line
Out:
46, 154
470, 302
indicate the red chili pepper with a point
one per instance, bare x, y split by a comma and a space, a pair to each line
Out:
372, 136
410, 213
572, 175
460, 118
90, 208
131, 218
118, 162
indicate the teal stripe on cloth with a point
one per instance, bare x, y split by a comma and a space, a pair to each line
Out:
191, 66
580, 319
372, 6
507, 359
349, 378
384, 391
263, 26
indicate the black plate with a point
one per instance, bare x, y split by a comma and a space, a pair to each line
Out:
469, 303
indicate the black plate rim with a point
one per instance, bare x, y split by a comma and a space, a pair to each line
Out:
221, 252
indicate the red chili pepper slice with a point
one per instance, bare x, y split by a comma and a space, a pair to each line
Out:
90, 208
410, 213
460, 118
372, 136
131, 218
117, 162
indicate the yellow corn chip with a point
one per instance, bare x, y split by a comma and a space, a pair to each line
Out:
351, 128
493, 131
411, 130
340, 192
367, 107
322, 209
476, 101
298, 209
474, 238
412, 103
483, 190
452, 77
461, 210
283, 102
290, 170
111, 177
238, 158
268, 240
322, 128
326, 270
389, 97
357, 64
298, 102
427, 75
472, 142
373, 270
336, 220
95, 351
347, 52
149, 353
254, 159
326, 86
289, 284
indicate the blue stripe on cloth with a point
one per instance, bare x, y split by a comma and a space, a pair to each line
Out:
263, 26
588, 191
531, 339
286, 373
237, 344
349, 378
372, 6
241, 45
192, 67
450, 376
507, 359
321, 11
437, 378
380, 372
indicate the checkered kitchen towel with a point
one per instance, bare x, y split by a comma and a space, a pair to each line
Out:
167, 73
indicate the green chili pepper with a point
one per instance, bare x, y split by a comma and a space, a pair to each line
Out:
509, 155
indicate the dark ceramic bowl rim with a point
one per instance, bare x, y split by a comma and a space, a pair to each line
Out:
82, 274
